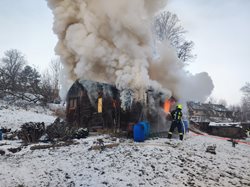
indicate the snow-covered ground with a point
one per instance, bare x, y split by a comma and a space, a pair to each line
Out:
155, 162
13, 117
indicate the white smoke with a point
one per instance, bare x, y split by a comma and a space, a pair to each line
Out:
111, 41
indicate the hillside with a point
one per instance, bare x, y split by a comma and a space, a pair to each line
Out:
156, 162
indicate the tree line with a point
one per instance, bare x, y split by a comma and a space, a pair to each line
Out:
22, 81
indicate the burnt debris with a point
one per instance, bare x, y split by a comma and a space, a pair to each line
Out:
211, 149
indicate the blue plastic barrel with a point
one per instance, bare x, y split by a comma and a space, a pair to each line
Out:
146, 128
139, 135
185, 126
1, 135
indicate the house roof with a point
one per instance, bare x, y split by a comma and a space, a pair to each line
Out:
232, 124
207, 106
196, 106
95, 87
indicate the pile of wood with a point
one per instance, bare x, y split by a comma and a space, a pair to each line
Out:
31, 132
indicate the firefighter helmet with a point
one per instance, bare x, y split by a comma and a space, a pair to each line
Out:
179, 106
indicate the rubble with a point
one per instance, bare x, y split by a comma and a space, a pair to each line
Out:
102, 147
10, 135
15, 150
2, 152
2, 144
99, 145
60, 130
59, 144
5, 130
81, 133
211, 149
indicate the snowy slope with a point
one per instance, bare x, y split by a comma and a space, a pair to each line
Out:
13, 117
156, 162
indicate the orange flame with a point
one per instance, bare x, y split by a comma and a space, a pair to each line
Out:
167, 106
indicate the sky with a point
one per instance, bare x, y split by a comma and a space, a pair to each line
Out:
220, 30
26, 25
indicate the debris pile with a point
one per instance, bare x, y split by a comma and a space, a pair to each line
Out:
15, 150
5, 130
101, 145
81, 133
2, 152
31, 132
60, 130
211, 149
54, 145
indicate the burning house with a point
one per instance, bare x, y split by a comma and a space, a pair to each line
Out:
97, 105
112, 42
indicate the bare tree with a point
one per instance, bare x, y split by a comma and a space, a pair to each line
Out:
46, 88
184, 51
25, 82
11, 67
167, 27
237, 114
56, 68
246, 89
246, 101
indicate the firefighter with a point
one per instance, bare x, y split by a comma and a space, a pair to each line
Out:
177, 122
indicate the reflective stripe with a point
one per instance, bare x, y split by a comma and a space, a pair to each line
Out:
180, 133
170, 133
176, 115
179, 115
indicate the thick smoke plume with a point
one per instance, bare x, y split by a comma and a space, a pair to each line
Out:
111, 41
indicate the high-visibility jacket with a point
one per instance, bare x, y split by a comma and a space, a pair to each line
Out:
176, 115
